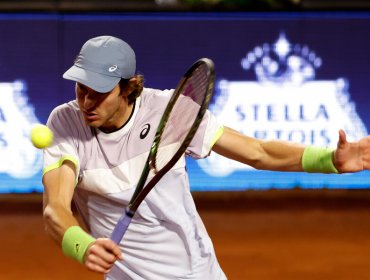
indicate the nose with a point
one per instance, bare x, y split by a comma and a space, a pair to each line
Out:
89, 100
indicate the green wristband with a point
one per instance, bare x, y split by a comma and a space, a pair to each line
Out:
318, 160
75, 243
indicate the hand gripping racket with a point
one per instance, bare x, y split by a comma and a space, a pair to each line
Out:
176, 129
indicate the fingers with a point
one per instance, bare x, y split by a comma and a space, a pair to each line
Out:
96, 264
113, 248
101, 255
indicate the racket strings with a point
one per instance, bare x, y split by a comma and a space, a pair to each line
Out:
183, 115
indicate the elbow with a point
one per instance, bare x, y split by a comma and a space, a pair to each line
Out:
258, 165
256, 161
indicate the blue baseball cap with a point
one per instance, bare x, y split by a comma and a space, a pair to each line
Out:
102, 62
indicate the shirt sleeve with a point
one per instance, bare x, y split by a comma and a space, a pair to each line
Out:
209, 131
62, 122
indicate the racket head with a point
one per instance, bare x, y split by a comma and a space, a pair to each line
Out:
183, 114
186, 109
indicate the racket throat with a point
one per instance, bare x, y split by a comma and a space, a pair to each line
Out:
130, 213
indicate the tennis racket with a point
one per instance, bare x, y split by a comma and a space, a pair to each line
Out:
176, 129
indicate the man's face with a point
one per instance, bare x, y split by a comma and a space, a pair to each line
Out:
106, 111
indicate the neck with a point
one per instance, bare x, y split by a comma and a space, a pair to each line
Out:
125, 119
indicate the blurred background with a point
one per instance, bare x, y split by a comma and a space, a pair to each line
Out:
290, 70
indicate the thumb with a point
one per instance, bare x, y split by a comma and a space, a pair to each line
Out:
342, 141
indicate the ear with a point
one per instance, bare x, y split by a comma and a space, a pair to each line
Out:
130, 87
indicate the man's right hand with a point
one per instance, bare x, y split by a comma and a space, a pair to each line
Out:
101, 255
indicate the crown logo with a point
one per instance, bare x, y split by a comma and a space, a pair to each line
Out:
282, 62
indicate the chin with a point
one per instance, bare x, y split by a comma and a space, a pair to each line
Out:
94, 124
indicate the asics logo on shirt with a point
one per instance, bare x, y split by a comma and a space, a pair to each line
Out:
145, 131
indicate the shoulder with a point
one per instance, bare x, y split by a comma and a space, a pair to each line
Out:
155, 97
65, 113
65, 109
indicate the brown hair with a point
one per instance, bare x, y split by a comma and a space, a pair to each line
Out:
137, 87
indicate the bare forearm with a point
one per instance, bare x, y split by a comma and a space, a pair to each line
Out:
57, 220
280, 156
266, 155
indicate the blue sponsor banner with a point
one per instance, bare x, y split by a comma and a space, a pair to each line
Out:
290, 76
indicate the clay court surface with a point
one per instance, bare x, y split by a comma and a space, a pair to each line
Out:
289, 235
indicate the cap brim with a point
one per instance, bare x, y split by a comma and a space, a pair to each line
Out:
98, 82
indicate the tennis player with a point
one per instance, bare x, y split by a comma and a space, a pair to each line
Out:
101, 142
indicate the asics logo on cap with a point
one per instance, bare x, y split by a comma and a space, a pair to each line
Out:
113, 68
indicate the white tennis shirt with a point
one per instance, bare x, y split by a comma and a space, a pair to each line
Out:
166, 238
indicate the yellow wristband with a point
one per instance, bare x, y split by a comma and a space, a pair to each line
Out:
318, 160
75, 243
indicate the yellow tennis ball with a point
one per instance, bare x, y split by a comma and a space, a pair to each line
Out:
41, 136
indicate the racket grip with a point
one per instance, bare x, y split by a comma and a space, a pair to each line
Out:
122, 226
